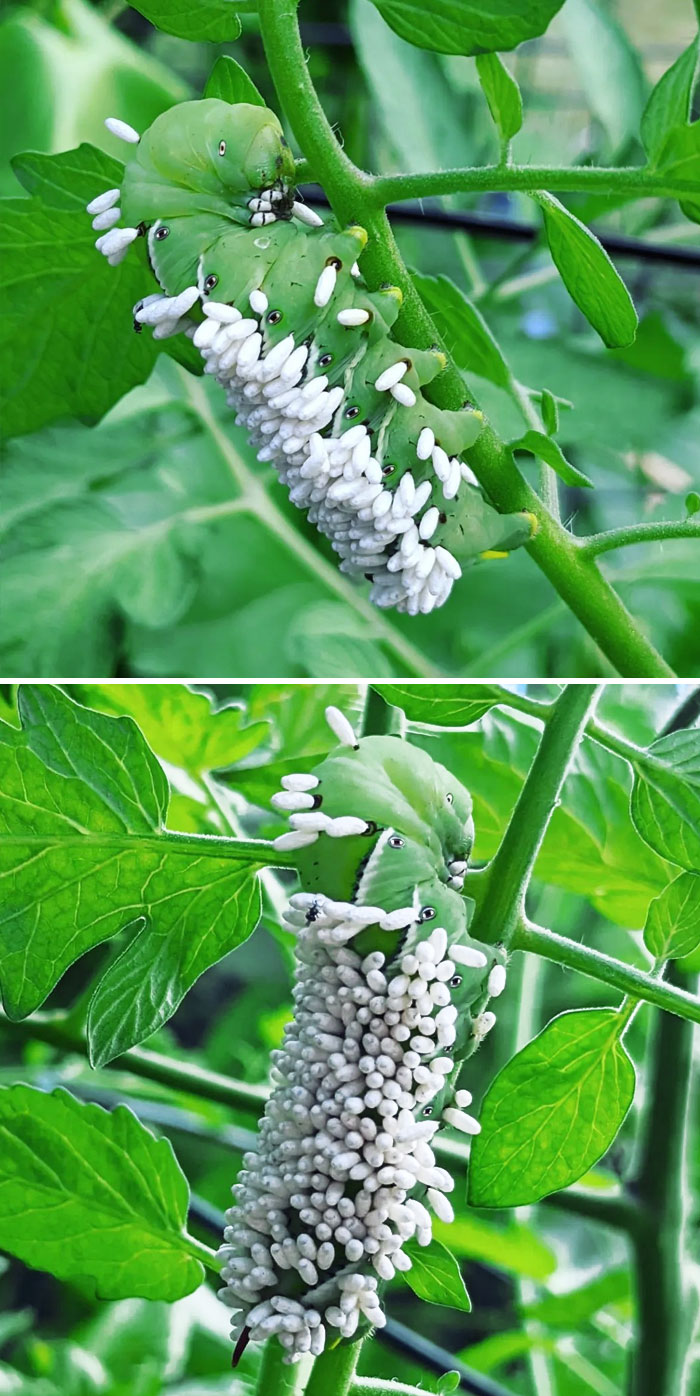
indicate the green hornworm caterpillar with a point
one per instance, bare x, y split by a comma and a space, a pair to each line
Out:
390, 994
277, 306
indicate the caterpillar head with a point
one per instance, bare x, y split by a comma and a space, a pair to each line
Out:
206, 156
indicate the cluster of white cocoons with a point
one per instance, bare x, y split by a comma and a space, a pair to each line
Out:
286, 406
324, 1207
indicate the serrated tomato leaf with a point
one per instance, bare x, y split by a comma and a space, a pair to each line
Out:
85, 1193
83, 803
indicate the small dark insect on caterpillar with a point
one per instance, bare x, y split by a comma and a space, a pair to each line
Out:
277, 306
390, 998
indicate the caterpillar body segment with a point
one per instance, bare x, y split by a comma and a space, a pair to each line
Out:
276, 305
389, 999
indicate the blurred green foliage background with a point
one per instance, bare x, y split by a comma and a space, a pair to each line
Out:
137, 524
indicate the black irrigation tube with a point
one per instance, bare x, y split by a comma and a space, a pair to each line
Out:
512, 230
394, 1335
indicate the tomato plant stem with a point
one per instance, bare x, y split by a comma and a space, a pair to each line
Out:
634, 182
667, 1301
562, 951
279, 1378
500, 911
334, 1370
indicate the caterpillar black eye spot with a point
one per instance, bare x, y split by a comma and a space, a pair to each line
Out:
443, 518
222, 147
274, 317
449, 797
456, 980
428, 1110
396, 841
388, 469
427, 913
325, 360
371, 827
351, 412
334, 262
209, 283
318, 801
161, 233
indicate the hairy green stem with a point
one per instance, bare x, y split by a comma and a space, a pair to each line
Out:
277, 1377
635, 182
667, 1304
597, 965
648, 532
334, 1370
502, 908
537, 1359
374, 1386
354, 198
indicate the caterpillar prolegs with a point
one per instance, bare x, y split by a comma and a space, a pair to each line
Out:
275, 303
389, 999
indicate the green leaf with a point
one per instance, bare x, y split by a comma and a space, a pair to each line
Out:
692, 503
230, 82
59, 304
112, 512
550, 412
550, 451
202, 922
88, 1193
669, 104
611, 73
182, 726
665, 803
552, 1111
449, 1381
680, 159
588, 274
672, 928
82, 805
463, 329
436, 1276
209, 21
502, 94
443, 705
106, 756
70, 179
468, 26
